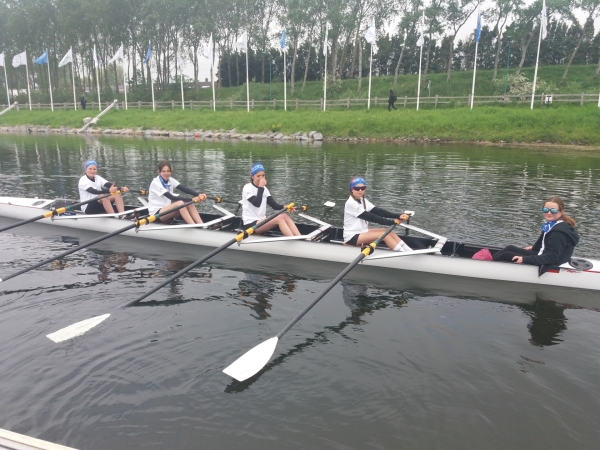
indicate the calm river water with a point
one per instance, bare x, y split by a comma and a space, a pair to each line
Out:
378, 363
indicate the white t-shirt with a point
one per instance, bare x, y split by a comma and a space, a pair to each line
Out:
156, 199
352, 224
251, 213
85, 183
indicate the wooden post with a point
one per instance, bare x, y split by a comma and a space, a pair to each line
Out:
172, 104
436, 101
65, 106
230, 103
274, 103
469, 100
253, 104
582, 96
405, 100
321, 104
348, 103
139, 104
39, 106
296, 103
191, 105
375, 100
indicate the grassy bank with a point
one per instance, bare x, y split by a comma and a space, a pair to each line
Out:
558, 124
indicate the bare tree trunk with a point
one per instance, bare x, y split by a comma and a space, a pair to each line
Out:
229, 70
116, 78
343, 59
427, 58
237, 67
293, 74
307, 61
334, 52
597, 69
398, 65
354, 51
360, 64
564, 76
524, 46
450, 57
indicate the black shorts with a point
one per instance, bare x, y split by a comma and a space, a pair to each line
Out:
97, 208
353, 240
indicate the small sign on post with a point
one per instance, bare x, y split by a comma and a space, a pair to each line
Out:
547, 100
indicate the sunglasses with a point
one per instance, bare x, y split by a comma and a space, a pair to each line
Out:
551, 210
359, 188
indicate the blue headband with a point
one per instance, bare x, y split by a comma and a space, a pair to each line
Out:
357, 180
257, 167
90, 162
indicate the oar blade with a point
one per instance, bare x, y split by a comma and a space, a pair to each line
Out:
77, 329
251, 362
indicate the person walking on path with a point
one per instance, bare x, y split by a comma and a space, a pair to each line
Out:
83, 102
392, 100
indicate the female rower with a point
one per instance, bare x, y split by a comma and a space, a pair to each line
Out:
555, 244
256, 197
359, 211
91, 185
161, 197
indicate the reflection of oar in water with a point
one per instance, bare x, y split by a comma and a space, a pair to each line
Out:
251, 362
142, 221
56, 211
80, 328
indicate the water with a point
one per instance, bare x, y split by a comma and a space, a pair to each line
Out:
381, 362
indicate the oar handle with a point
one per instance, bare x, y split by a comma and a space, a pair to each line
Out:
367, 250
244, 234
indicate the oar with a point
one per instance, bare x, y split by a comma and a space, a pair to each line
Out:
56, 211
251, 362
142, 221
80, 328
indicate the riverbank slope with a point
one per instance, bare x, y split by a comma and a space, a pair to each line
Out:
565, 124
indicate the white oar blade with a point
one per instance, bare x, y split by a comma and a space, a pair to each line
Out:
251, 362
77, 329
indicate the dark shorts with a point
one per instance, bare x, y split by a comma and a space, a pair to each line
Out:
353, 240
245, 226
97, 208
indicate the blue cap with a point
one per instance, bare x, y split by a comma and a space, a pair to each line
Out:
90, 162
357, 180
257, 167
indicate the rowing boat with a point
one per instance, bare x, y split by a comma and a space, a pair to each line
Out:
320, 241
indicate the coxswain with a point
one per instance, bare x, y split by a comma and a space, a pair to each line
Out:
161, 196
359, 211
256, 197
91, 185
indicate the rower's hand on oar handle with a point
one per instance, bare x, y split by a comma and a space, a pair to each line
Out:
302, 208
124, 189
403, 217
200, 198
142, 192
290, 208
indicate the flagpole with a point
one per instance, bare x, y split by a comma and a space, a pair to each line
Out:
284, 82
247, 83
97, 80
537, 59
370, 69
73, 77
419, 82
474, 72
212, 76
125, 83
27, 75
50, 84
181, 73
6, 82
325, 78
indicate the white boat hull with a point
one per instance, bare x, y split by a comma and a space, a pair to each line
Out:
564, 277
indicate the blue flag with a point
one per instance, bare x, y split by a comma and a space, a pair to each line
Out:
478, 30
282, 40
42, 59
148, 54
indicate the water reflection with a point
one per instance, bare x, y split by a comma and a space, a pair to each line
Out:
255, 292
547, 325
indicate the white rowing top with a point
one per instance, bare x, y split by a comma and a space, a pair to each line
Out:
156, 199
352, 224
251, 213
85, 183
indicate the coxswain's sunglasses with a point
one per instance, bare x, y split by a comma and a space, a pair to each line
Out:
359, 188
551, 210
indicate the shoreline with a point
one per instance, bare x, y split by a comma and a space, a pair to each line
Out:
311, 137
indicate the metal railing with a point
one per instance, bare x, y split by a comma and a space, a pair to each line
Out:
338, 104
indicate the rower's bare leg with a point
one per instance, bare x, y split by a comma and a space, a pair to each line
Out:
172, 215
187, 216
118, 201
107, 204
194, 214
391, 240
283, 225
287, 221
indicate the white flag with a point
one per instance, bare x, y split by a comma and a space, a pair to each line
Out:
118, 55
209, 49
68, 58
371, 34
326, 44
2, 59
20, 59
242, 43
421, 40
95, 57
544, 20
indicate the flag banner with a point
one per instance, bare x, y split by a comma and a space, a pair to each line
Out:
20, 59
2, 59
421, 40
544, 20
68, 58
95, 57
42, 59
209, 48
326, 43
478, 29
242, 42
371, 34
148, 54
118, 55
282, 40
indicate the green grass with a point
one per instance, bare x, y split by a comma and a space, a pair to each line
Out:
565, 124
